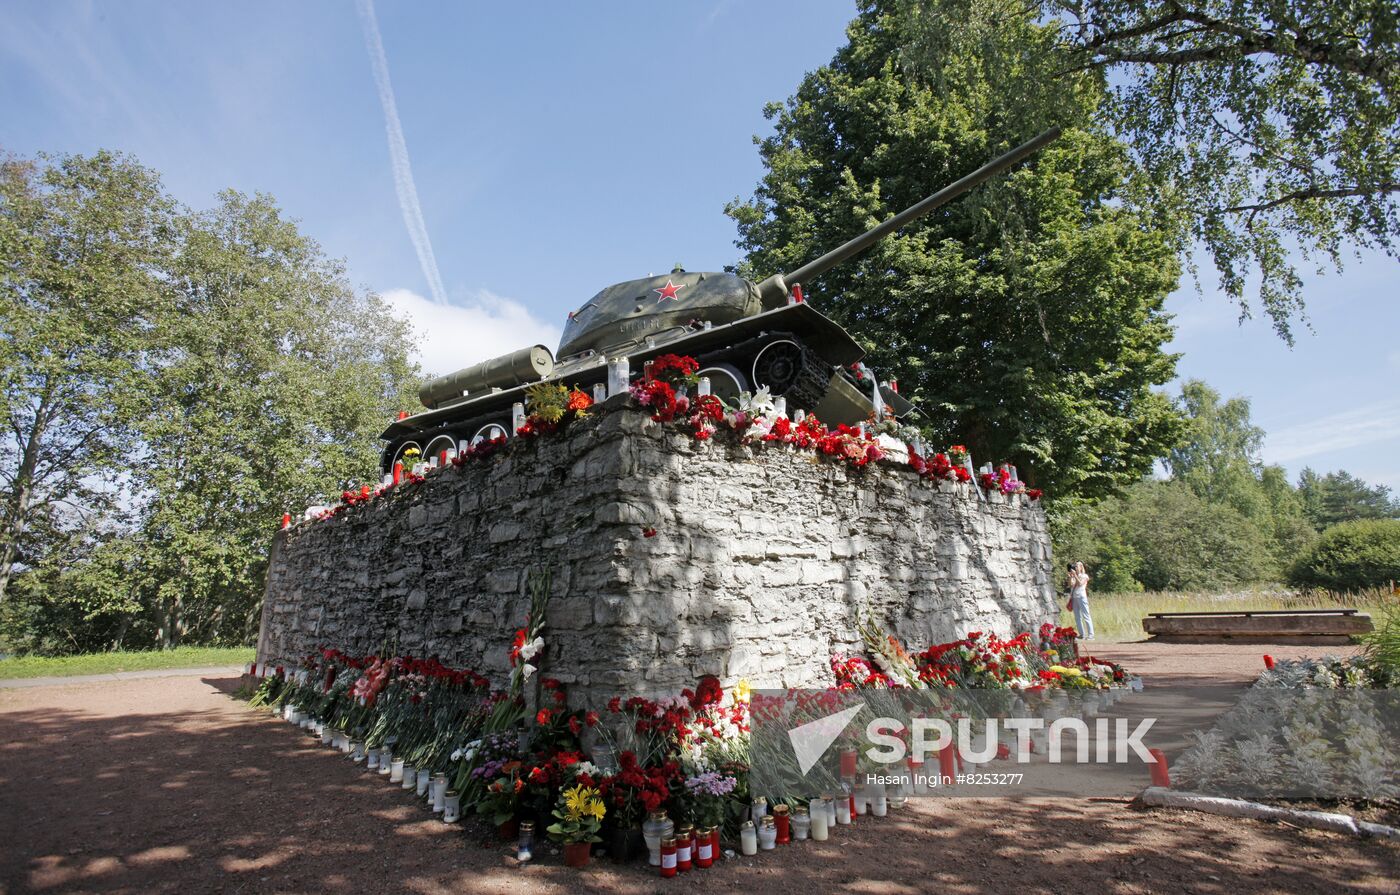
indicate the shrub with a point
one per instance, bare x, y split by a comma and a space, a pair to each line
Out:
1184, 542
1383, 644
1352, 556
1116, 566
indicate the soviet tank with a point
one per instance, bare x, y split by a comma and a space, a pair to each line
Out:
745, 336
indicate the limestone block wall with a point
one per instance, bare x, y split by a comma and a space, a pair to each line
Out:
763, 558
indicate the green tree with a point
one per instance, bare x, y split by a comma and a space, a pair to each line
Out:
173, 381
1247, 514
1219, 454
83, 241
1187, 543
1262, 124
1290, 533
1352, 556
1341, 497
1219, 461
1117, 564
278, 380
1025, 319
76, 603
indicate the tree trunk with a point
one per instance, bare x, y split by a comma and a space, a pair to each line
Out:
17, 502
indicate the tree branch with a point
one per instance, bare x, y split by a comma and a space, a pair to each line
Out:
1312, 193
1104, 47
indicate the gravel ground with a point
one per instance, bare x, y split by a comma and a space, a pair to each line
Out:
168, 785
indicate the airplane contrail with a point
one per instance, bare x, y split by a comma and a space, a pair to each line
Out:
398, 155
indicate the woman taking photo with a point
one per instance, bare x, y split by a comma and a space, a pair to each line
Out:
1079, 600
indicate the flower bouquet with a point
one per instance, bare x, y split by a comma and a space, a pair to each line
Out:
552, 406
579, 816
501, 797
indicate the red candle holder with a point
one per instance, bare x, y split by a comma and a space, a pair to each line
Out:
685, 847
848, 763
704, 848
1160, 775
783, 822
948, 763
668, 857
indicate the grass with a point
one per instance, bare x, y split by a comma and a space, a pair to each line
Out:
106, 663
1119, 616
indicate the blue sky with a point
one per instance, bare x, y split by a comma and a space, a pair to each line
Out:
557, 148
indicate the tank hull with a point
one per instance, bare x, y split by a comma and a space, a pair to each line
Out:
825, 349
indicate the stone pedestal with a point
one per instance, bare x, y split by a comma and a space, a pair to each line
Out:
762, 559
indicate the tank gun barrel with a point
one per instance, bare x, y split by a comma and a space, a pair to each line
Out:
774, 288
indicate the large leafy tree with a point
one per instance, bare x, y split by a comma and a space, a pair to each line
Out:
173, 382
1026, 318
1264, 125
278, 378
1219, 453
83, 241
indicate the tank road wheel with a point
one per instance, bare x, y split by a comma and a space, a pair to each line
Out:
438, 445
489, 432
726, 382
778, 366
794, 371
398, 455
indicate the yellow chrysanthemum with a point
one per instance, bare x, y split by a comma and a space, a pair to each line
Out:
742, 690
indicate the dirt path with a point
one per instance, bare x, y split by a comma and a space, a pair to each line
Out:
168, 785
25, 682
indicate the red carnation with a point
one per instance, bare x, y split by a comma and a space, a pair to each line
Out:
544, 716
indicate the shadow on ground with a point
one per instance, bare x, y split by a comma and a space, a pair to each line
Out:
170, 786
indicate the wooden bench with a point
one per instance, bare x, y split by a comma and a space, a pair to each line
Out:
1296, 626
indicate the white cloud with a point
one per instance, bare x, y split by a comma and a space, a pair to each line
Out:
453, 336
1350, 428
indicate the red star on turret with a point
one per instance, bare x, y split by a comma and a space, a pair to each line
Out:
668, 291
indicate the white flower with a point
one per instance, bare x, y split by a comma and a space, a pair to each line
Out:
531, 649
456, 755
589, 768
760, 402
1324, 677
529, 670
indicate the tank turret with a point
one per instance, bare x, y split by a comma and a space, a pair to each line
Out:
745, 335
